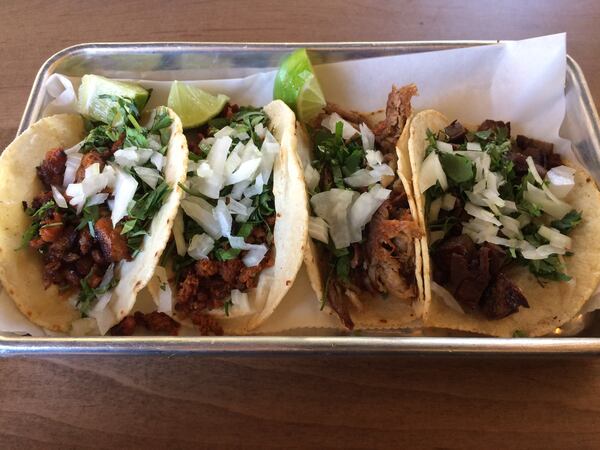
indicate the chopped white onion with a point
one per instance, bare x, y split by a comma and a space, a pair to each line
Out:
444, 147
245, 171
509, 207
533, 170
71, 166
132, 156
238, 189
154, 142
552, 206
330, 122
434, 209
312, 177
74, 149
374, 157
256, 188
432, 172
226, 131
203, 169
211, 186
556, 238
223, 217
236, 207
368, 140
360, 178
158, 160
255, 255
148, 175
97, 199
160, 290
480, 213
448, 202
259, 129
202, 217
333, 206
125, 187
59, 198
363, 209
200, 246
561, 180
318, 229
542, 252
233, 160
473, 147
511, 227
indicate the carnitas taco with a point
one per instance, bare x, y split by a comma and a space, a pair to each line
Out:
363, 257
86, 211
241, 230
511, 244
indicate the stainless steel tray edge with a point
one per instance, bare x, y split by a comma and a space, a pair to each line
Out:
12, 346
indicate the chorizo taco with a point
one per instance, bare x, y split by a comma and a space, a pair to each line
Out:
86, 211
510, 244
241, 230
363, 257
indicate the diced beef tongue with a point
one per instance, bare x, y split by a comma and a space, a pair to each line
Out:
494, 125
541, 152
456, 132
473, 275
502, 298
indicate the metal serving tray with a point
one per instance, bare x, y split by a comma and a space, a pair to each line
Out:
151, 61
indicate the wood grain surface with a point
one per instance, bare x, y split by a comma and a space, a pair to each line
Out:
303, 401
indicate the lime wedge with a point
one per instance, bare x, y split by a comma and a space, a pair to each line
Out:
296, 85
94, 86
194, 106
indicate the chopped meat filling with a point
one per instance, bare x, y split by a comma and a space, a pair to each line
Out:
157, 322
52, 169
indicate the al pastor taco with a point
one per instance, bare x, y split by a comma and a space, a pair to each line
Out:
86, 210
241, 230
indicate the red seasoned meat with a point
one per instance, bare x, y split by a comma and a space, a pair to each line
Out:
52, 169
112, 242
90, 158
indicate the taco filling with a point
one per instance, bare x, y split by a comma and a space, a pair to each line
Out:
362, 221
223, 236
98, 200
492, 203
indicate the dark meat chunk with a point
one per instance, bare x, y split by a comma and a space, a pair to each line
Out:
188, 288
90, 158
494, 125
125, 327
112, 242
85, 241
40, 200
52, 169
397, 111
456, 132
207, 325
157, 322
502, 298
473, 275
206, 268
117, 144
541, 152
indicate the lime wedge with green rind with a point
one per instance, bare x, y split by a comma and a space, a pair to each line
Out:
194, 106
297, 85
91, 103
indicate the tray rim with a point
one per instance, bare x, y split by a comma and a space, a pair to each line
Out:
276, 345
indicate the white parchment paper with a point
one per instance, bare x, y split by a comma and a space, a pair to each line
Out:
521, 81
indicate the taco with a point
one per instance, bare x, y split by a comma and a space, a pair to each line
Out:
510, 242
239, 236
86, 211
363, 257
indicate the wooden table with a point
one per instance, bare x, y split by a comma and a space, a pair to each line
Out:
343, 402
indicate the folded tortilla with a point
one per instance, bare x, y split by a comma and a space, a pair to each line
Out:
552, 303
21, 270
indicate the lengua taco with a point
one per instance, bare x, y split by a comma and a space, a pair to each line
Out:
364, 252
511, 244
86, 210
241, 230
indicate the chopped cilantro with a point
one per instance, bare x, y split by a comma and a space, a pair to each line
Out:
567, 223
